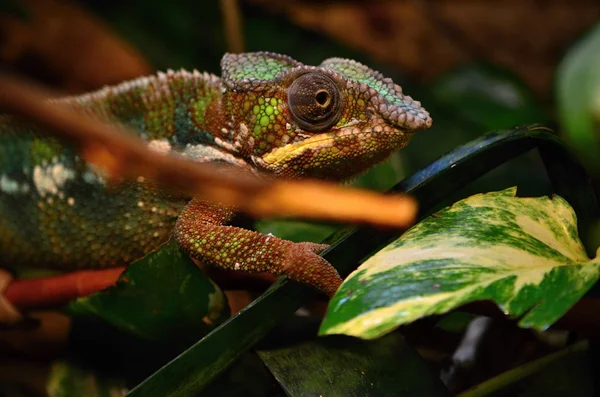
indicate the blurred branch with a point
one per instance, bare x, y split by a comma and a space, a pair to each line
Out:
233, 25
126, 156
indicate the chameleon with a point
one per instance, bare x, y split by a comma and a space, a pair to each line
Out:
267, 114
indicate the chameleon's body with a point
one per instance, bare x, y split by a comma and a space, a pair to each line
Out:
268, 114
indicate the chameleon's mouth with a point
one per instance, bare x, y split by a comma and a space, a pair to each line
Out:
281, 154
336, 155
332, 144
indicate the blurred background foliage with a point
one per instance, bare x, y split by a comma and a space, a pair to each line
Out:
475, 65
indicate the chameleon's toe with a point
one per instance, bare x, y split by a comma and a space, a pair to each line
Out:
303, 264
314, 247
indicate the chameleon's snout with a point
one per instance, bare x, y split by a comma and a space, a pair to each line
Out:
407, 115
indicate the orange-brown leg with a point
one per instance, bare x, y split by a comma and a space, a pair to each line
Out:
200, 231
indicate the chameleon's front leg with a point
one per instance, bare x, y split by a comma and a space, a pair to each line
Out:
201, 232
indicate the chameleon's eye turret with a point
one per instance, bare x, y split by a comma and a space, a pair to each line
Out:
315, 102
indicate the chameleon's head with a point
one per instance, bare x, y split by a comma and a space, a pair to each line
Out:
331, 122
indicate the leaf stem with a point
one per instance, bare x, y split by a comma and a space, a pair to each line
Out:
514, 375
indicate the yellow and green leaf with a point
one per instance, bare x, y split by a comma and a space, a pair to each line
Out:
522, 253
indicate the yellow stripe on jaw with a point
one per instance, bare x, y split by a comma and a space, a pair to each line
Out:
291, 150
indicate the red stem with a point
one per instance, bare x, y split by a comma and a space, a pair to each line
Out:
49, 291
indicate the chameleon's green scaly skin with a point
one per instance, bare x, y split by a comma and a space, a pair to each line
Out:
267, 114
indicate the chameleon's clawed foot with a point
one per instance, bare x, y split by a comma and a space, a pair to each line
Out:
200, 233
302, 263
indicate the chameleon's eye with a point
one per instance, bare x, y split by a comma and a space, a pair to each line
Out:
315, 101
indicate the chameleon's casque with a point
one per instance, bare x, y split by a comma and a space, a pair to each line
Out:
268, 114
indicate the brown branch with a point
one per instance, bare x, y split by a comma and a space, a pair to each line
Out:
125, 156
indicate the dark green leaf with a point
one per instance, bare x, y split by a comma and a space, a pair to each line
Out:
342, 366
247, 377
163, 296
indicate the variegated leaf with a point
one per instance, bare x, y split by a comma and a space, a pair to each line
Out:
522, 253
